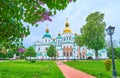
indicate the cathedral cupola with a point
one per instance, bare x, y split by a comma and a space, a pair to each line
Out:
59, 36
67, 29
47, 30
47, 35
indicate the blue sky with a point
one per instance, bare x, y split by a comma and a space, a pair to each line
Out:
76, 14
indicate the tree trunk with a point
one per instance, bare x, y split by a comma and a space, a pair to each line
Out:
96, 54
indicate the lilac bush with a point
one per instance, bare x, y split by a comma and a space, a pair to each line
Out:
21, 50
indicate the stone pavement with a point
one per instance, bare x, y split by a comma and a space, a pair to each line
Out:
70, 72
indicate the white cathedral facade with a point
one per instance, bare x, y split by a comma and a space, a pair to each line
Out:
65, 46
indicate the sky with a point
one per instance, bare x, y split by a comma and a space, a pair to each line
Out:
76, 14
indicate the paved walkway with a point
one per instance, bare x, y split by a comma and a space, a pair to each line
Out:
71, 72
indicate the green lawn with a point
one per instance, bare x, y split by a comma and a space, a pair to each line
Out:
95, 68
26, 69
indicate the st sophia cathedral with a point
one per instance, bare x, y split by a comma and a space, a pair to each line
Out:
65, 46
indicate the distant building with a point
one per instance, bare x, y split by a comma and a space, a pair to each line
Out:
65, 46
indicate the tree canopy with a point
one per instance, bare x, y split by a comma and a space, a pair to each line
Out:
79, 40
93, 32
14, 12
116, 52
51, 52
30, 52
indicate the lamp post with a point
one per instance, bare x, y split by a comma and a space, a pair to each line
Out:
110, 31
74, 55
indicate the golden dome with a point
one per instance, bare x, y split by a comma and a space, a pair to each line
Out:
47, 30
67, 29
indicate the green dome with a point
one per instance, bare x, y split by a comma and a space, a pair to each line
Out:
58, 37
46, 35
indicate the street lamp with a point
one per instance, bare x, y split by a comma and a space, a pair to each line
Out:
110, 31
74, 55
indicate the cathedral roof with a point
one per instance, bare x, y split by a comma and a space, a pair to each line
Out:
67, 29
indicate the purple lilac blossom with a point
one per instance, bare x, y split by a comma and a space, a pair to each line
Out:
41, 3
21, 50
70, 0
45, 16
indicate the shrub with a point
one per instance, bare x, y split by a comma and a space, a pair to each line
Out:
33, 61
108, 64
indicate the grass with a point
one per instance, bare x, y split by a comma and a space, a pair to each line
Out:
95, 68
26, 69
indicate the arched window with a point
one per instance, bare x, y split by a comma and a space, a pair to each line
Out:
83, 48
58, 42
67, 54
46, 48
63, 53
83, 57
70, 53
64, 38
38, 48
45, 40
67, 37
49, 41
70, 38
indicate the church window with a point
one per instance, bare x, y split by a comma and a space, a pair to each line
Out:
70, 53
64, 54
83, 57
45, 40
67, 38
83, 48
58, 42
70, 38
67, 54
64, 38
39, 49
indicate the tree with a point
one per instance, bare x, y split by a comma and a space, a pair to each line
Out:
3, 52
10, 53
116, 52
93, 32
30, 52
79, 40
51, 52
13, 13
